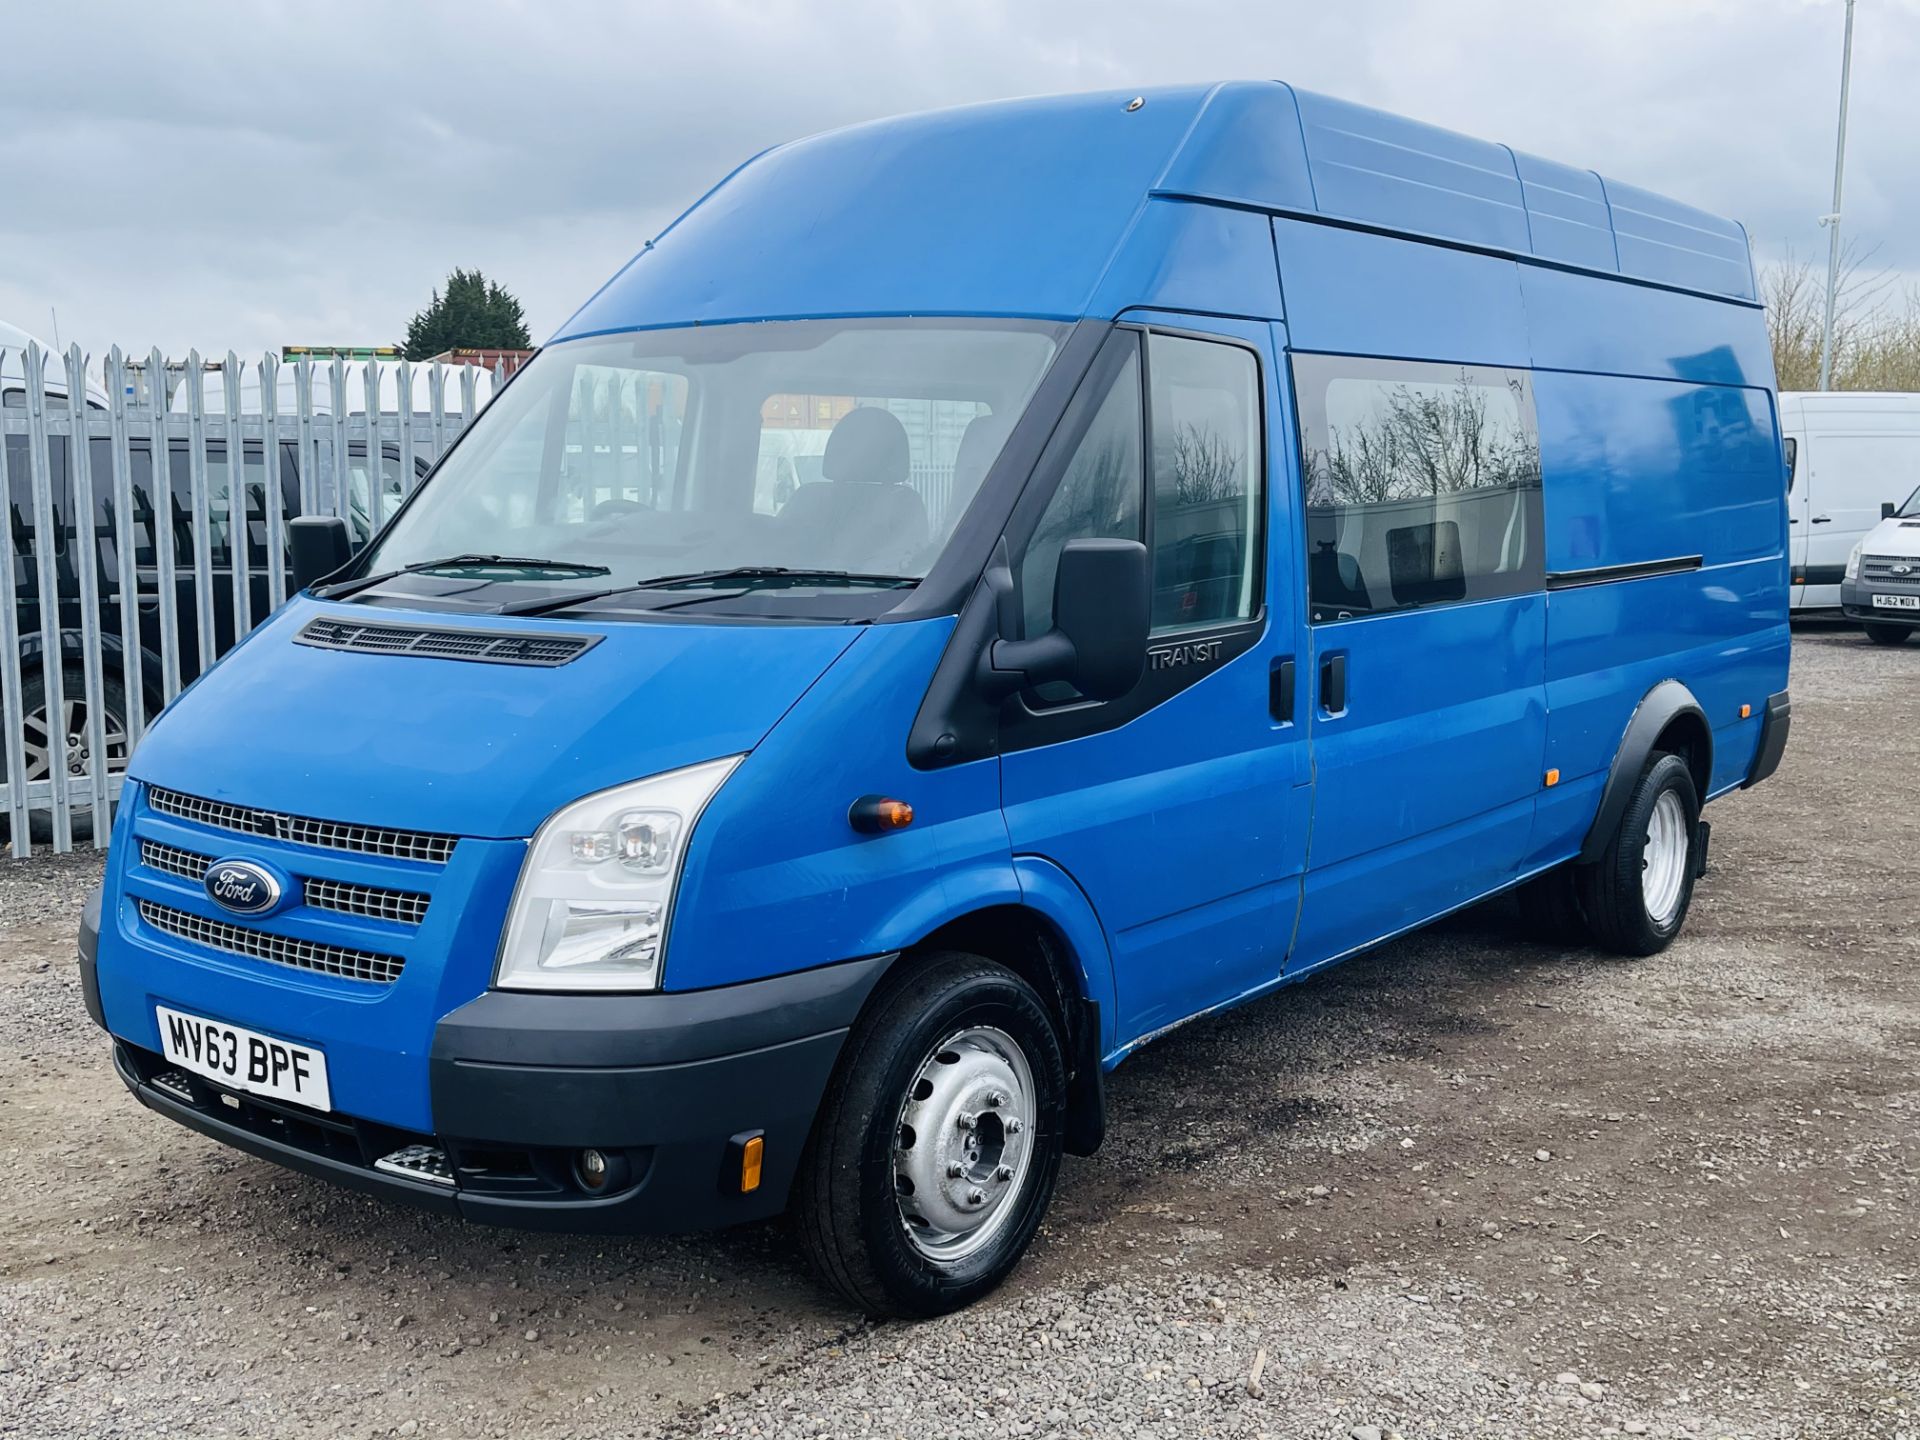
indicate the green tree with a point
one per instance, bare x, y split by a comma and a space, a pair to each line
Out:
473, 313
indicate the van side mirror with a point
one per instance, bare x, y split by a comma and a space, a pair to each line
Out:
1102, 603
320, 547
1888, 509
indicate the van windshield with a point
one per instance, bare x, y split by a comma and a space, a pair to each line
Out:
1911, 510
843, 449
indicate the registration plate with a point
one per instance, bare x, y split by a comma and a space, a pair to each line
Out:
245, 1059
1896, 602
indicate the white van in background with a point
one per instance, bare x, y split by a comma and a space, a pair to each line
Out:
1854, 457
13, 372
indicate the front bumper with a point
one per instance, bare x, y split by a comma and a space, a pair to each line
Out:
1856, 600
665, 1085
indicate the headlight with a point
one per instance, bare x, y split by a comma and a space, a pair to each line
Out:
1853, 561
590, 911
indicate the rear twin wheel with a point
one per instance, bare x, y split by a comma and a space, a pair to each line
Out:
1635, 898
937, 1147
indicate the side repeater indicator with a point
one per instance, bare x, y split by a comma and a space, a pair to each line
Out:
877, 814
1553, 778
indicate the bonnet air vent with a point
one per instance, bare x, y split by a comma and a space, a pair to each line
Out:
492, 647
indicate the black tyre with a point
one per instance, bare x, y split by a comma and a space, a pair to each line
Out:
1636, 896
937, 1147
1887, 634
67, 742
1550, 908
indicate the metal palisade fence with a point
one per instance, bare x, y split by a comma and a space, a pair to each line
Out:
141, 552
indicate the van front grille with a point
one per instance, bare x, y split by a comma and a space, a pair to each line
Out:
492, 647
301, 830
278, 949
1893, 569
404, 906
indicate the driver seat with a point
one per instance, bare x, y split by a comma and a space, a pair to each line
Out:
863, 516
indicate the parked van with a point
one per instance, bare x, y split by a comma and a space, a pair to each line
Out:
53, 382
1350, 521
1855, 456
1881, 588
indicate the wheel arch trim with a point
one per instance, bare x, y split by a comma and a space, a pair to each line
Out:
1666, 704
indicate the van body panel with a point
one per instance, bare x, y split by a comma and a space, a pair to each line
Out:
776, 879
1647, 471
1355, 293
1424, 783
479, 749
1567, 216
1186, 827
1204, 259
1674, 244
1008, 209
1659, 334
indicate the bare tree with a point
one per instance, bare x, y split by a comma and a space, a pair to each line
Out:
1876, 333
1205, 468
1422, 440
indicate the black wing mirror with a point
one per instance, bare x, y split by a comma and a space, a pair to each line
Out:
320, 547
1888, 509
1102, 602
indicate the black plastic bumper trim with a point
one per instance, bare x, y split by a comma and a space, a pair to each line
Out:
1774, 728
89, 959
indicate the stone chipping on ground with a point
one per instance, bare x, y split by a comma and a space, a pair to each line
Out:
1463, 1186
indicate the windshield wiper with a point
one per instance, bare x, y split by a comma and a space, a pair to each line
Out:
463, 561
740, 574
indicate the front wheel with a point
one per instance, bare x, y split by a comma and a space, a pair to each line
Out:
937, 1147
1636, 896
1887, 634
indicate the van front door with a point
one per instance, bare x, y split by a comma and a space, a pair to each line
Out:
1427, 615
1181, 809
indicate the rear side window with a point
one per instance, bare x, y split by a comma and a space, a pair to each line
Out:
1422, 484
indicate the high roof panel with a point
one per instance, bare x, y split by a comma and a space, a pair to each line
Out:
1020, 207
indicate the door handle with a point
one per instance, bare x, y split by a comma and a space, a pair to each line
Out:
1823, 519
1280, 688
1333, 684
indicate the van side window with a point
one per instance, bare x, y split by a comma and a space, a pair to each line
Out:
1098, 497
1207, 490
1422, 484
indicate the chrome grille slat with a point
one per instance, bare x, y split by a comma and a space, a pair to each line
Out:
157, 855
402, 906
303, 830
405, 907
286, 950
491, 647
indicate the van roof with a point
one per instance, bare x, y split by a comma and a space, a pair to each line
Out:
1022, 207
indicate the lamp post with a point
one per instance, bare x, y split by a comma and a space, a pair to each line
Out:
1832, 220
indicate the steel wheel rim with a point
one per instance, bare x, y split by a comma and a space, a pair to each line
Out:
963, 1143
1663, 860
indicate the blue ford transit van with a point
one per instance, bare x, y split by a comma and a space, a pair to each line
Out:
977, 591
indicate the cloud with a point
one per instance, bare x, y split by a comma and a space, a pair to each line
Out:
243, 177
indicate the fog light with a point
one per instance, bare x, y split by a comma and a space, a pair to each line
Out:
595, 1171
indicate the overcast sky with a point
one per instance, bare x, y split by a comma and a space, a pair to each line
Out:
244, 176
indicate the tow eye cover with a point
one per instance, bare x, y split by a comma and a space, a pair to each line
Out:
244, 887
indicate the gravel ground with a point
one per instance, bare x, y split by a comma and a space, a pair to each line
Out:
1464, 1185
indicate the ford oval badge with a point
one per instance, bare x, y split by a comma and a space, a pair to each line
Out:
242, 887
